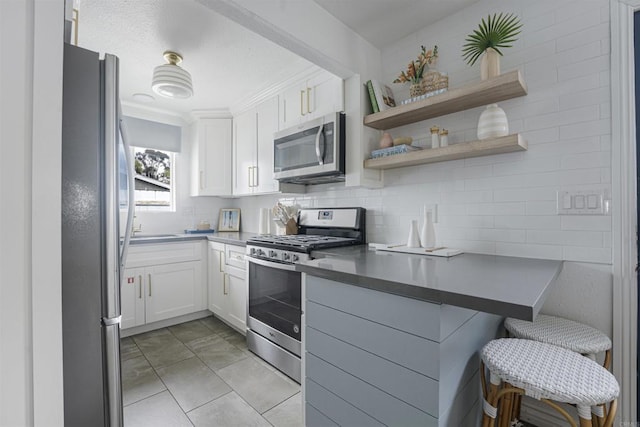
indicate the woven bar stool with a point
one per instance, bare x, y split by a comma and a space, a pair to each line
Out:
545, 372
564, 333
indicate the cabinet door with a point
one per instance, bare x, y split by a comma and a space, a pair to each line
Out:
217, 299
293, 107
214, 157
244, 153
132, 298
236, 287
326, 95
267, 125
173, 290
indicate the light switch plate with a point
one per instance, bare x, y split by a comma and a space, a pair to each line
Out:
581, 202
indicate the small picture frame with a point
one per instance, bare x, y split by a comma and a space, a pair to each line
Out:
229, 219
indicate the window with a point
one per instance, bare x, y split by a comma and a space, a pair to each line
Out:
154, 186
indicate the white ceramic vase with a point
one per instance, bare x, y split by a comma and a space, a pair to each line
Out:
489, 64
493, 123
428, 233
413, 241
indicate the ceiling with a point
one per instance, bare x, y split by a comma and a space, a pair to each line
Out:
229, 63
383, 22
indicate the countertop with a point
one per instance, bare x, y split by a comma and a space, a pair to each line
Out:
507, 286
231, 238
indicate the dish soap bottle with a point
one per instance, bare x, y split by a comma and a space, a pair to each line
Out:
428, 233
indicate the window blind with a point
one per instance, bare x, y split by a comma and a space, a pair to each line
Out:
155, 135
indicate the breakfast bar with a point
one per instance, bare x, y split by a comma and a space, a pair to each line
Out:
393, 339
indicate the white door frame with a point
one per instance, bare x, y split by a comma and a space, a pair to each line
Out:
623, 171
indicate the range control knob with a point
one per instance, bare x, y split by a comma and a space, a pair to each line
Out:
286, 256
273, 254
252, 252
259, 252
294, 258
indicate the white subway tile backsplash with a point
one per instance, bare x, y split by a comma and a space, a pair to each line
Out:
540, 207
595, 159
582, 37
586, 223
525, 194
573, 238
540, 222
513, 208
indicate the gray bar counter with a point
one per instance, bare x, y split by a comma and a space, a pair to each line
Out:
506, 286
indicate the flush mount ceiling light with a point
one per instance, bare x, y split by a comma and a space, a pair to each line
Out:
170, 80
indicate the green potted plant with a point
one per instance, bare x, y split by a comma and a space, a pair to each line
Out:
496, 33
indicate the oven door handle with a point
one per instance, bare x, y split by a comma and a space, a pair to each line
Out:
278, 265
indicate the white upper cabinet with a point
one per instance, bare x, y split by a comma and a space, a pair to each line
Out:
244, 152
267, 125
319, 94
253, 151
211, 157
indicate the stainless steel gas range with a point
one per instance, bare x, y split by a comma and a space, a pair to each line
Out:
274, 311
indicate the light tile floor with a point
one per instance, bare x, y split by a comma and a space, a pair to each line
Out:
200, 373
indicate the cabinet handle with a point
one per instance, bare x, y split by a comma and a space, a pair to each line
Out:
201, 180
301, 102
149, 275
221, 262
308, 100
224, 285
140, 283
250, 180
255, 176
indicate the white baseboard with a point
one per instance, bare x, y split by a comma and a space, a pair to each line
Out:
164, 323
540, 414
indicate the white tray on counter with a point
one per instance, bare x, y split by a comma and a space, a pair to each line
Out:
437, 251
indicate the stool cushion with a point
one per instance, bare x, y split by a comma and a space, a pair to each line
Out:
550, 372
564, 333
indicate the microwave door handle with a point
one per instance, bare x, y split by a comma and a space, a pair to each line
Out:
319, 151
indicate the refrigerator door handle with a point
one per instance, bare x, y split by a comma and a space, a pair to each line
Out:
131, 193
108, 321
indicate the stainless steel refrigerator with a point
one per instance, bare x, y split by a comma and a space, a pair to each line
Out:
96, 191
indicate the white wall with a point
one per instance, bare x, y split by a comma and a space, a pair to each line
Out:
505, 204
30, 284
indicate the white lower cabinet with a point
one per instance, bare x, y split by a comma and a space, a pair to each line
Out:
156, 289
227, 284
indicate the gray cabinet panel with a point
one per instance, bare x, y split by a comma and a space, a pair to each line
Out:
314, 418
408, 350
460, 354
408, 386
378, 404
410, 315
342, 413
451, 318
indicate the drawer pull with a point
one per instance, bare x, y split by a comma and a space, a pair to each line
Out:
149, 275
224, 285
140, 283
221, 262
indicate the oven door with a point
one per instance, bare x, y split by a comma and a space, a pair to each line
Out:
275, 302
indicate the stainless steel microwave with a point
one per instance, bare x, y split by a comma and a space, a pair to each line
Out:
312, 152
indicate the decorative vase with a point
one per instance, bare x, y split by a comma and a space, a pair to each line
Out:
413, 241
428, 233
489, 64
416, 89
492, 123
386, 140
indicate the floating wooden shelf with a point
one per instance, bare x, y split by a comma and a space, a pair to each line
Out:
506, 86
464, 150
